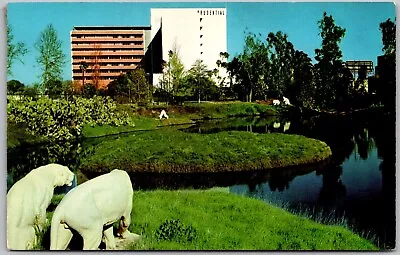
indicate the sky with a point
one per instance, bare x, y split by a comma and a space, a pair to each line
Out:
298, 20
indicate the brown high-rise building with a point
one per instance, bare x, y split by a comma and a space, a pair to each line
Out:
107, 52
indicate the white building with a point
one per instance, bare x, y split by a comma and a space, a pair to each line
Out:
194, 33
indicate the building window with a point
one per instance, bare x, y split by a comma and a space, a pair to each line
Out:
201, 53
201, 28
201, 19
201, 44
201, 36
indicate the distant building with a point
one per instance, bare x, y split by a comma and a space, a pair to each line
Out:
356, 65
194, 33
108, 51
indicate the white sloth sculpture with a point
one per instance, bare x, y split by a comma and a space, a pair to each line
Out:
27, 201
91, 209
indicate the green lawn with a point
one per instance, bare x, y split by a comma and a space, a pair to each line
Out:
214, 220
179, 152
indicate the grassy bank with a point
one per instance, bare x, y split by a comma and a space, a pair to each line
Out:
212, 220
205, 110
179, 152
217, 220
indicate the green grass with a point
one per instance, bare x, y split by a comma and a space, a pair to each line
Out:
179, 152
217, 220
141, 123
18, 136
222, 221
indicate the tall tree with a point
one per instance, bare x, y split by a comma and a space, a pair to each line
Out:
281, 54
96, 66
251, 67
388, 29
83, 65
173, 74
15, 51
302, 89
51, 57
329, 64
200, 78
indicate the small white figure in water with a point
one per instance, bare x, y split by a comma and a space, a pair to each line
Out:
163, 114
286, 101
286, 126
276, 125
276, 102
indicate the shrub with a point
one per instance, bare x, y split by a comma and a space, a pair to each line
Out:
60, 119
175, 230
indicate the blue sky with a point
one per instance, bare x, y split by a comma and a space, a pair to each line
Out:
298, 20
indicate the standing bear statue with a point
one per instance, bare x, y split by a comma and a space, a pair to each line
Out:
91, 209
27, 201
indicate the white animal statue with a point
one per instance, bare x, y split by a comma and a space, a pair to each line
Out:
91, 209
286, 126
276, 102
286, 101
163, 114
27, 201
276, 125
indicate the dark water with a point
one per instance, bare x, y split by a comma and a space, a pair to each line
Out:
357, 185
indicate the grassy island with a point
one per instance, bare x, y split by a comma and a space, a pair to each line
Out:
172, 151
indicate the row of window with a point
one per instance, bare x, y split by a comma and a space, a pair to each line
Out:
89, 71
210, 12
105, 50
106, 57
107, 36
105, 43
79, 78
116, 64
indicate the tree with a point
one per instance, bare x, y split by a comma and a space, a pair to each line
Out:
173, 76
96, 66
302, 89
280, 71
250, 68
15, 51
200, 80
388, 29
15, 87
51, 57
83, 65
329, 66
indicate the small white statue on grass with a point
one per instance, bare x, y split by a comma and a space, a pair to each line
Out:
91, 209
276, 102
27, 201
163, 114
286, 101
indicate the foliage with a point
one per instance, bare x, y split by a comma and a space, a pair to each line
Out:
331, 81
170, 151
15, 51
51, 58
250, 68
15, 87
225, 221
388, 29
133, 86
200, 82
175, 230
301, 90
173, 76
280, 71
62, 119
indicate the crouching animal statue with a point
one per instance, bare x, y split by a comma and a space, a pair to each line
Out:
91, 209
27, 201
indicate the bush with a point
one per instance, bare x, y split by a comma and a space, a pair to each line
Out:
175, 230
59, 119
